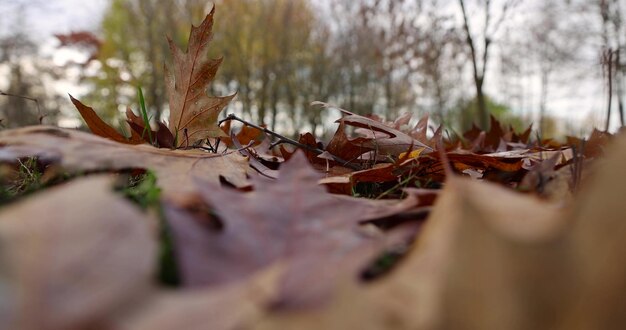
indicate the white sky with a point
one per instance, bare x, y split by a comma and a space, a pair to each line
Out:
45, 18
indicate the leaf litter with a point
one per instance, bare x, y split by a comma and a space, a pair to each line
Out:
412, 230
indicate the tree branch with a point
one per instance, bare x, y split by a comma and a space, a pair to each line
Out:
285, 139
26, 98
469, 39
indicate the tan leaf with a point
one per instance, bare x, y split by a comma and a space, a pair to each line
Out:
193, 114
78, 151
235, 306
71, 255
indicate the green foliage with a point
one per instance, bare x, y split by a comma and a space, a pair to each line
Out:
466, 114
143, 190
144, 115
26, 179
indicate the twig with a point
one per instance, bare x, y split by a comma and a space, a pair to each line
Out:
26, 98
285, 139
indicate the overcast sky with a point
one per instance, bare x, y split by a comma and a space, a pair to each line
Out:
42, 19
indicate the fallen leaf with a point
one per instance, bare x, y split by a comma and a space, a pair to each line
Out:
78, 151
345, 183
345, 148
193, 114
245, 136
72, 255
291, 219
100, 128
415, 295
382, 138
386, 139
597, 240
420, 130
235, 306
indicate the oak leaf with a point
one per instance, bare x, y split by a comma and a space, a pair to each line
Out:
377, 135
78, 151
291, 219
193, 114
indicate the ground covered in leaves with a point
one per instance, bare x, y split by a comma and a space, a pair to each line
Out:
198, 224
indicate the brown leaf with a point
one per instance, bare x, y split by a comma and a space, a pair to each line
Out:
245, 136
594, 146
383, 138
420, 130
490, 258
503, 265
193, 114
235, 306
598, 237
345, 148
99, 127
72, 255
421, 294
386, 139
78, 151
293, 219
345, 183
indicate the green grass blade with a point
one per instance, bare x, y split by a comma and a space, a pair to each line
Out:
144, 115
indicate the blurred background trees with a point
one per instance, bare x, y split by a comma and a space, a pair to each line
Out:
25, 98
458, 61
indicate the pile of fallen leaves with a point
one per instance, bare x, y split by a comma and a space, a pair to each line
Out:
191, 225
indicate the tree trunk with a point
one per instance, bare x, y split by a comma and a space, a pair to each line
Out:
619, 72
483, 112
543, 101
609, 65
274, 108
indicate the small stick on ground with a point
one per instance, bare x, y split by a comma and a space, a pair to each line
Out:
285, 139
41, 117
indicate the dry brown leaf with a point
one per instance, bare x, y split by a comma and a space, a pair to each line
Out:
345, 148
504, 264
382, 138
293, 219
598, 240
345, 183
235, 306
78, 151
379, 136
193, 113
100, 128
72, 255
490, 258
412, 297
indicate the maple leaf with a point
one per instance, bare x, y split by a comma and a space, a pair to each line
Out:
72, 255
78, 151
292, 219
193, 114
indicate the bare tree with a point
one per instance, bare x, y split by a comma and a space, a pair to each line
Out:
484, 40
613, 44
